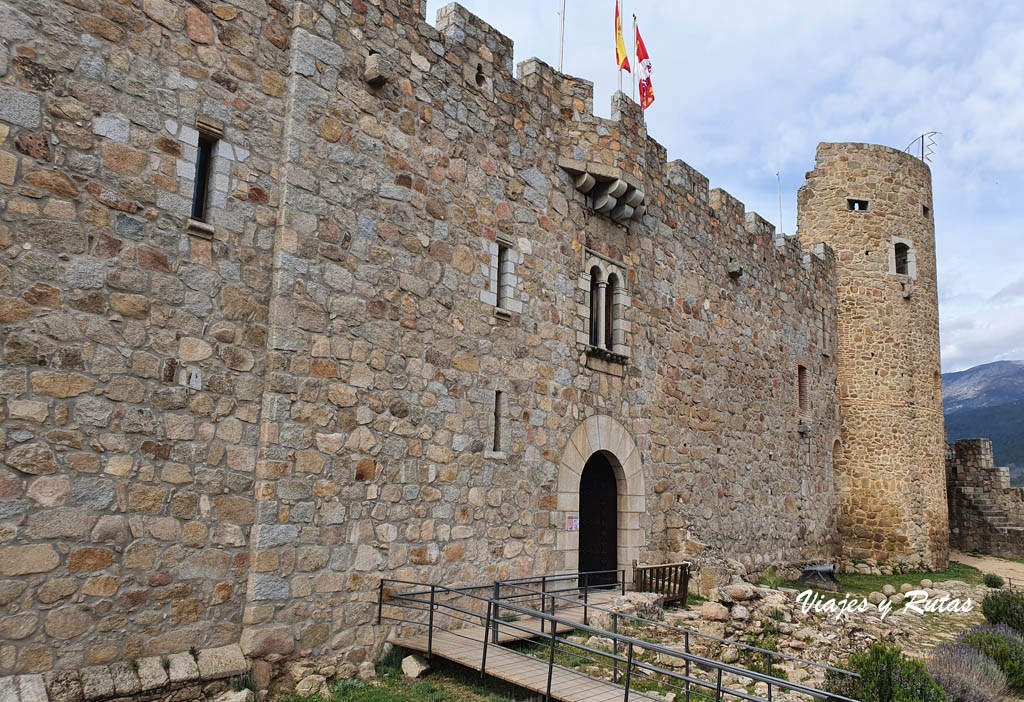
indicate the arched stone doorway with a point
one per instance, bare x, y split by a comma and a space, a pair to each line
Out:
606, 437
599, 508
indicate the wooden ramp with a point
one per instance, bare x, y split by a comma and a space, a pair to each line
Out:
465, 646
572, 612
518, 668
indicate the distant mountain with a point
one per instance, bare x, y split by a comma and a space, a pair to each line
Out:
988, 402
998, 383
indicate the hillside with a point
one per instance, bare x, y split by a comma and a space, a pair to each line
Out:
988, 402
991, 384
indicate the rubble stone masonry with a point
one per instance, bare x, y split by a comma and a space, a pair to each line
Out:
228, 431
985, 512
872, 205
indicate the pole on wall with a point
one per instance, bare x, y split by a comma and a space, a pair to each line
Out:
561, 39
778, 179
616, 39
634, 72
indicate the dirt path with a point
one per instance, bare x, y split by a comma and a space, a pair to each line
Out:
992, 564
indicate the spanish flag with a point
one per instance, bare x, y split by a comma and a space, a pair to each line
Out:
621, 57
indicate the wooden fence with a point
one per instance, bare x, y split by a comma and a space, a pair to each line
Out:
669, 579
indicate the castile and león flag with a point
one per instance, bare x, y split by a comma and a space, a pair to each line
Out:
643, 62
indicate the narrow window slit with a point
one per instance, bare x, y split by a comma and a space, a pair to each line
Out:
498, 417
204, 164
503, 278
803, 392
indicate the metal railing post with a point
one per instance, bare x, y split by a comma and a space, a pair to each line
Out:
769, 692
430, 626
687, 640
551, 660
497, 591
615, 648
487, 636
623, 582
718, 687
629, 671
380, 601
543, 589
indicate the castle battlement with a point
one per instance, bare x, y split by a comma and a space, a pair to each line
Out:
620, 142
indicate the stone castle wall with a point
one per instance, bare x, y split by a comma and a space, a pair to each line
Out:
134, 353
231, 433
986, 514
893, 440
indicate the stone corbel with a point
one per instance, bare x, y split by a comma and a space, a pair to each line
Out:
609, 190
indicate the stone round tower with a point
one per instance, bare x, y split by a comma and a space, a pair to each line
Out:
873, 206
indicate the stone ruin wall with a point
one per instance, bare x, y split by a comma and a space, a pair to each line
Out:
890, 471
986, 514
232, 438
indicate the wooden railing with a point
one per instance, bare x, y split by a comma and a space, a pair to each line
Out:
669, 579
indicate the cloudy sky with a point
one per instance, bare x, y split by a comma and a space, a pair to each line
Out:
746, 89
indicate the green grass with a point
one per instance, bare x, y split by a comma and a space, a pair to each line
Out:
860, 584
446, 682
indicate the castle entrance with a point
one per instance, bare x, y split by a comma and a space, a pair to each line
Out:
600, 500
598, 549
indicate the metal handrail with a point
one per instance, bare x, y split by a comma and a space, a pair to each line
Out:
683, 630
492, 619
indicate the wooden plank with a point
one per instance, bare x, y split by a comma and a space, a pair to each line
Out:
465, 646
520, 669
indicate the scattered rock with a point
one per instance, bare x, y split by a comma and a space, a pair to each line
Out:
414, 666
367, 672
236, 696
313, 685
714, 611
600, 642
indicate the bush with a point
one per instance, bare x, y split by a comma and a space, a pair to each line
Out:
966, 674
1006, 607
994, 581
886, 675
1003, 645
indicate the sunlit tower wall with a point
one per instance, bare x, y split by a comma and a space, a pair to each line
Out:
873, 206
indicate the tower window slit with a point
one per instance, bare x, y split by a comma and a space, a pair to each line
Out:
498, 417
803, 391
204, 164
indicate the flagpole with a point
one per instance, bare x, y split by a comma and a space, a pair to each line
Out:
634, 73
561, 39
619, 9
778, 178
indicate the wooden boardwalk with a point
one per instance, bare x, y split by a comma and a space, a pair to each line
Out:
465, 646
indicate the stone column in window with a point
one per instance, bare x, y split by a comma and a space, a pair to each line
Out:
602, 286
